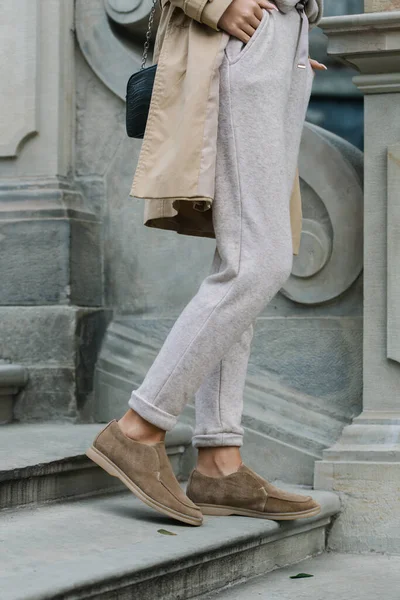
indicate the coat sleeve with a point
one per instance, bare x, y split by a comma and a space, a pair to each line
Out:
208, 12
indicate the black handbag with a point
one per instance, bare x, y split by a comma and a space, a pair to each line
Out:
140, 88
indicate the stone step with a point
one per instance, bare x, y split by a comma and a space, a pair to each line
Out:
46, 461
302, 411
335, 576
284, 429
110, 547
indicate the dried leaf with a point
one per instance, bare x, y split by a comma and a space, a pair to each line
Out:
165, 532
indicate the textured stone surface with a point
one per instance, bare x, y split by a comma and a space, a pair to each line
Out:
51, 394
50, 261
37, 334
44, 462
111, 546
378, 5
37, 270
58, 346
369, 491
334, 576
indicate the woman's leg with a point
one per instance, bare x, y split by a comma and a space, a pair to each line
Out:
219, 400
252, 225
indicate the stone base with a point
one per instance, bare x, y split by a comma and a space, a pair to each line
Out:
370, 517
335, 577
58, 346
364, 468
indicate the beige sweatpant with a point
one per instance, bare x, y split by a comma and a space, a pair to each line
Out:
264, 92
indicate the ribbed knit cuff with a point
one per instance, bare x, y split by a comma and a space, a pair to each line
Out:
151, 413
216, 440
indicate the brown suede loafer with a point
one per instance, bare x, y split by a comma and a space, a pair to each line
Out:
146, 471
246, 493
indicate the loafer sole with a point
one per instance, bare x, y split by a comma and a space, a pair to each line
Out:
112, 469
226, 511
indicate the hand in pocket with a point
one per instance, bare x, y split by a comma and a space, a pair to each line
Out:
242, 17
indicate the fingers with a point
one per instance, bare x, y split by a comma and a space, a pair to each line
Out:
254, 22
258, 12
317, 66
248, 29
243, 36
242, 19
238, 33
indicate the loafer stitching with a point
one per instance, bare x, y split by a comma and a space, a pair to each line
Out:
172, 494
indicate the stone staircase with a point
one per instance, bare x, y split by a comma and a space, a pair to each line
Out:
70, 531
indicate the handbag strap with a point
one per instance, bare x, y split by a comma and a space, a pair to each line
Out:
148, 34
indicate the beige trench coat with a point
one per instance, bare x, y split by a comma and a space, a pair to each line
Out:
176, 169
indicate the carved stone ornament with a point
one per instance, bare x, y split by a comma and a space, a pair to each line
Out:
331, 251
111, 36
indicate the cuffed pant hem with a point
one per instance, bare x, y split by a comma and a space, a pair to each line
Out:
215, 440
151, 413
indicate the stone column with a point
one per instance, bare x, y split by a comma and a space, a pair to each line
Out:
49, 235
364, 465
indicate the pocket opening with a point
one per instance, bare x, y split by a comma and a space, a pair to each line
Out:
246, 47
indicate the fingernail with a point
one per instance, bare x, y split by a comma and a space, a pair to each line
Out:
325, 67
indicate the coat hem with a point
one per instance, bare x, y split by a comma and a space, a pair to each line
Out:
170, 217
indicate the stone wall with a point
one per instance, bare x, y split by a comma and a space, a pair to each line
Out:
51, 296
